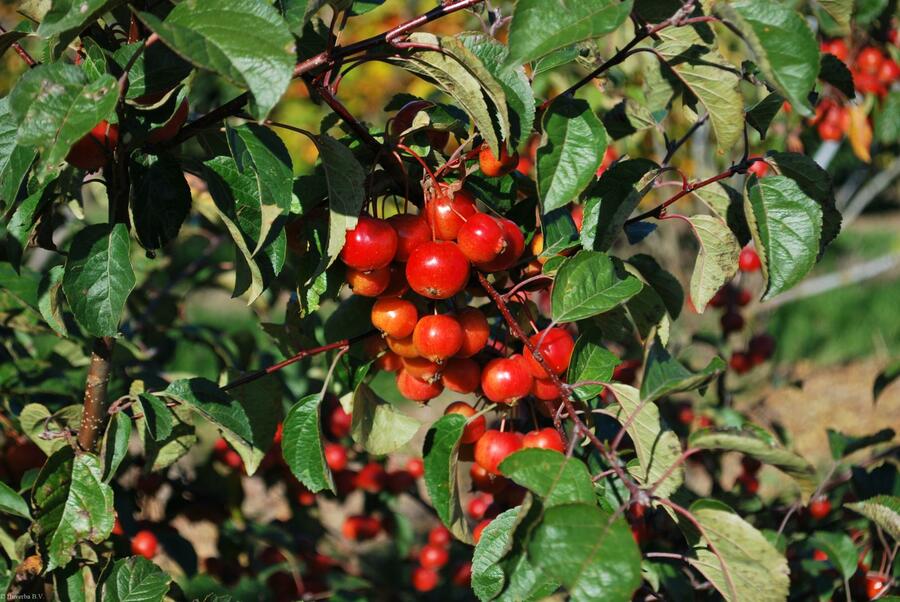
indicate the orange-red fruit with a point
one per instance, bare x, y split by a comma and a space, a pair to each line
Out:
360, 528
144, 543
440, 536
869, 60
416, 467
368, 284
476, 331
437, 270
515, 245
875, 586
462, 576
397, 284
170, 129
481, 238
370, 245
819, 508
94, 149
437, 337
758, 168
505, 380
394, 317
494, 167
403, 347
474, 429
371, 477
421, 368
446, 214
479, 504
337, 420
335, 456
417, 390
433, 556
482, 480
424, 580
461, 375
412, 230
556, 345
476, 533
388, 362
544, 389
546, 438
493, 447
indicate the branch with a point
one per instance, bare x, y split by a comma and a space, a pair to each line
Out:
94, 414
29, 60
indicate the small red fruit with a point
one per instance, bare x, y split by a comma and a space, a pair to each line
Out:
412, 231
462, 576
335, 456
440, 536
421, 368
476, 331
437, 270
170, 129
481, 238
819, 508
394, 317
493, 167
830, 132
438, 337
368, 284
370, 245
474, 429
482, 480
371, 477
398, 481
338, 421
875, 586
461, 375
479, 504
758, 168
889, 72
546, 438
836, 47
748, 260
416, 467
686, 415
476, 534
361, 528
417, 390
556, 345
94, 150
505, 380
493, 447
515, 245
869, 60
731, 322
403, 347
446, 214
433, 556
761, 347
577, 213
544, 389
749, 483
424, 580
740, 362
144, 543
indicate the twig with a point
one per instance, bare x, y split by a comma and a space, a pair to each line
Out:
29, 60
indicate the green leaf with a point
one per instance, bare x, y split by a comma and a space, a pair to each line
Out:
302, 446
156, 71
571, 150
162, 454
115, 444
840, 11
260, 153
21, 225
717, 260
709, 78
515, 84
12, 503
841, 551
136, 579
560, 233
54, 106
15, 158
728, 204
785, 47
787, 226
524, 579
377, 426
887, 124
760, 115
441, 455
495, 542
72, 505
160, 202
261, 401
589, 284
459, 73
71, 16
237, 203
590, 361
36, 419
755, 568
889, 374
816, 183
207, 399
245, 41
591, 554
883, 510
755, 442
557, 479
157, 416
833, 71
611, 200
99, 277
664, 283
8, 38
346, 194
842, 445
656, 446
664, 375
539, 27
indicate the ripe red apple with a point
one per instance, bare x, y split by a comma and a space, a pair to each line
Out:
394, 317
493, 447
481, 238
95, 149
437, 270
473, 430
446, 214
546, 438
556, 345
170, 129
372, 244
437, 337
461, 375
433, 556
144, 543
494, 167
412, 231
505, 380
476, 331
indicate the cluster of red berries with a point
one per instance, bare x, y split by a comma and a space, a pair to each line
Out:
748, 479
731, 298
433, 557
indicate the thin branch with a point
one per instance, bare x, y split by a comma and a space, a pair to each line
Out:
29, 60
